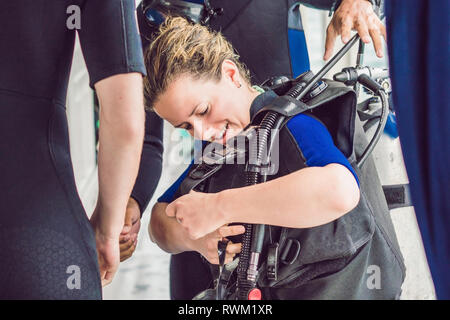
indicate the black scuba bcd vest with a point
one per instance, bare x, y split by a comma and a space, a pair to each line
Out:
304, 254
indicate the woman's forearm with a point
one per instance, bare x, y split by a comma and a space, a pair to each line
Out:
306, 198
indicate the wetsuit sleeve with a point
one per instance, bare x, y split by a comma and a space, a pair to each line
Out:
316, 144
150, 166
109, 39
151, 160
144, 29
169, 195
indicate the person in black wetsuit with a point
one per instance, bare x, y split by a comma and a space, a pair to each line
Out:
48, 245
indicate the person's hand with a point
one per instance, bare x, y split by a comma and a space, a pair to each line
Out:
198, 213
107, 250
108, 258
355, 15
129, 234
207, 245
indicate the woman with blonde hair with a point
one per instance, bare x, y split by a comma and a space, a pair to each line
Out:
196, 82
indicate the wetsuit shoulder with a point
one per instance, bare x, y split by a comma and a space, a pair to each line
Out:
315, 143
169, 195
110, 39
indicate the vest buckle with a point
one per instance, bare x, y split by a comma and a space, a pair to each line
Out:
290, 251
272, 261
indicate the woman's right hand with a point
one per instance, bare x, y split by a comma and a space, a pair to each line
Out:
207, 245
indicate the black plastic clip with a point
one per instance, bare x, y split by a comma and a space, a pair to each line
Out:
290, 251
272, 261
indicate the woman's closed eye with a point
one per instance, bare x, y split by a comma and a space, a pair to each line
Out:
205, 111
187, 126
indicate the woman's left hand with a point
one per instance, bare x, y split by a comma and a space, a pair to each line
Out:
198, 213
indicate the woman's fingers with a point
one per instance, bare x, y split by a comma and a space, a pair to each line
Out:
233, 248
211, 244
231, 251
228, 231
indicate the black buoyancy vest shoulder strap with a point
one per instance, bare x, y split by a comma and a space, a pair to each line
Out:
334, 106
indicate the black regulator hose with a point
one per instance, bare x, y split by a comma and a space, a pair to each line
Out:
253, 238
378, 90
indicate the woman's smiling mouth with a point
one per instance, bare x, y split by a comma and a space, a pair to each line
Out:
221, 137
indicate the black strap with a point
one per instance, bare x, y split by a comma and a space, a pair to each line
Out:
397, 196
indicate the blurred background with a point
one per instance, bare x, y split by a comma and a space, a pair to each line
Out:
146, 274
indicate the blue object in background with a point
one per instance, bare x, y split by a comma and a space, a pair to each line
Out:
391, 126
154, 16
297, 42
418, 35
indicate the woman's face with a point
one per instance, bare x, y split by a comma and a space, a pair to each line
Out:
209, 110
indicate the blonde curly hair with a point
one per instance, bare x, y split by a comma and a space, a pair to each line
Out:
182, 47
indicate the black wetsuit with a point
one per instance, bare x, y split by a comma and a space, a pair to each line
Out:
47, 247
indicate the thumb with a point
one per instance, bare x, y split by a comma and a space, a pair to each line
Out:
170, 210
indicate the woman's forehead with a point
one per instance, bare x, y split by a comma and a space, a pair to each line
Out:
186, 89
180, 98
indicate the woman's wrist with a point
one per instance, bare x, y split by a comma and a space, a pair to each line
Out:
190, 244
224, 207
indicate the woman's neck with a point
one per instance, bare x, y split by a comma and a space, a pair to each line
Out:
251, 96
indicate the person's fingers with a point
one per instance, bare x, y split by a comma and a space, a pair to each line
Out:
329, 42
128, 222
102, 274
106, 273
233, 248
125, 246
123, 257
124, 238
382, 28
376, 38
363, 30
108, 278
127, 253
346, 28
227, 231
229, 258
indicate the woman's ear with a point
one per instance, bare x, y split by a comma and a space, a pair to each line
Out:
230, 72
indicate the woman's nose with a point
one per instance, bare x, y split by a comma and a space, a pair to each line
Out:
208, 134
201, 130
